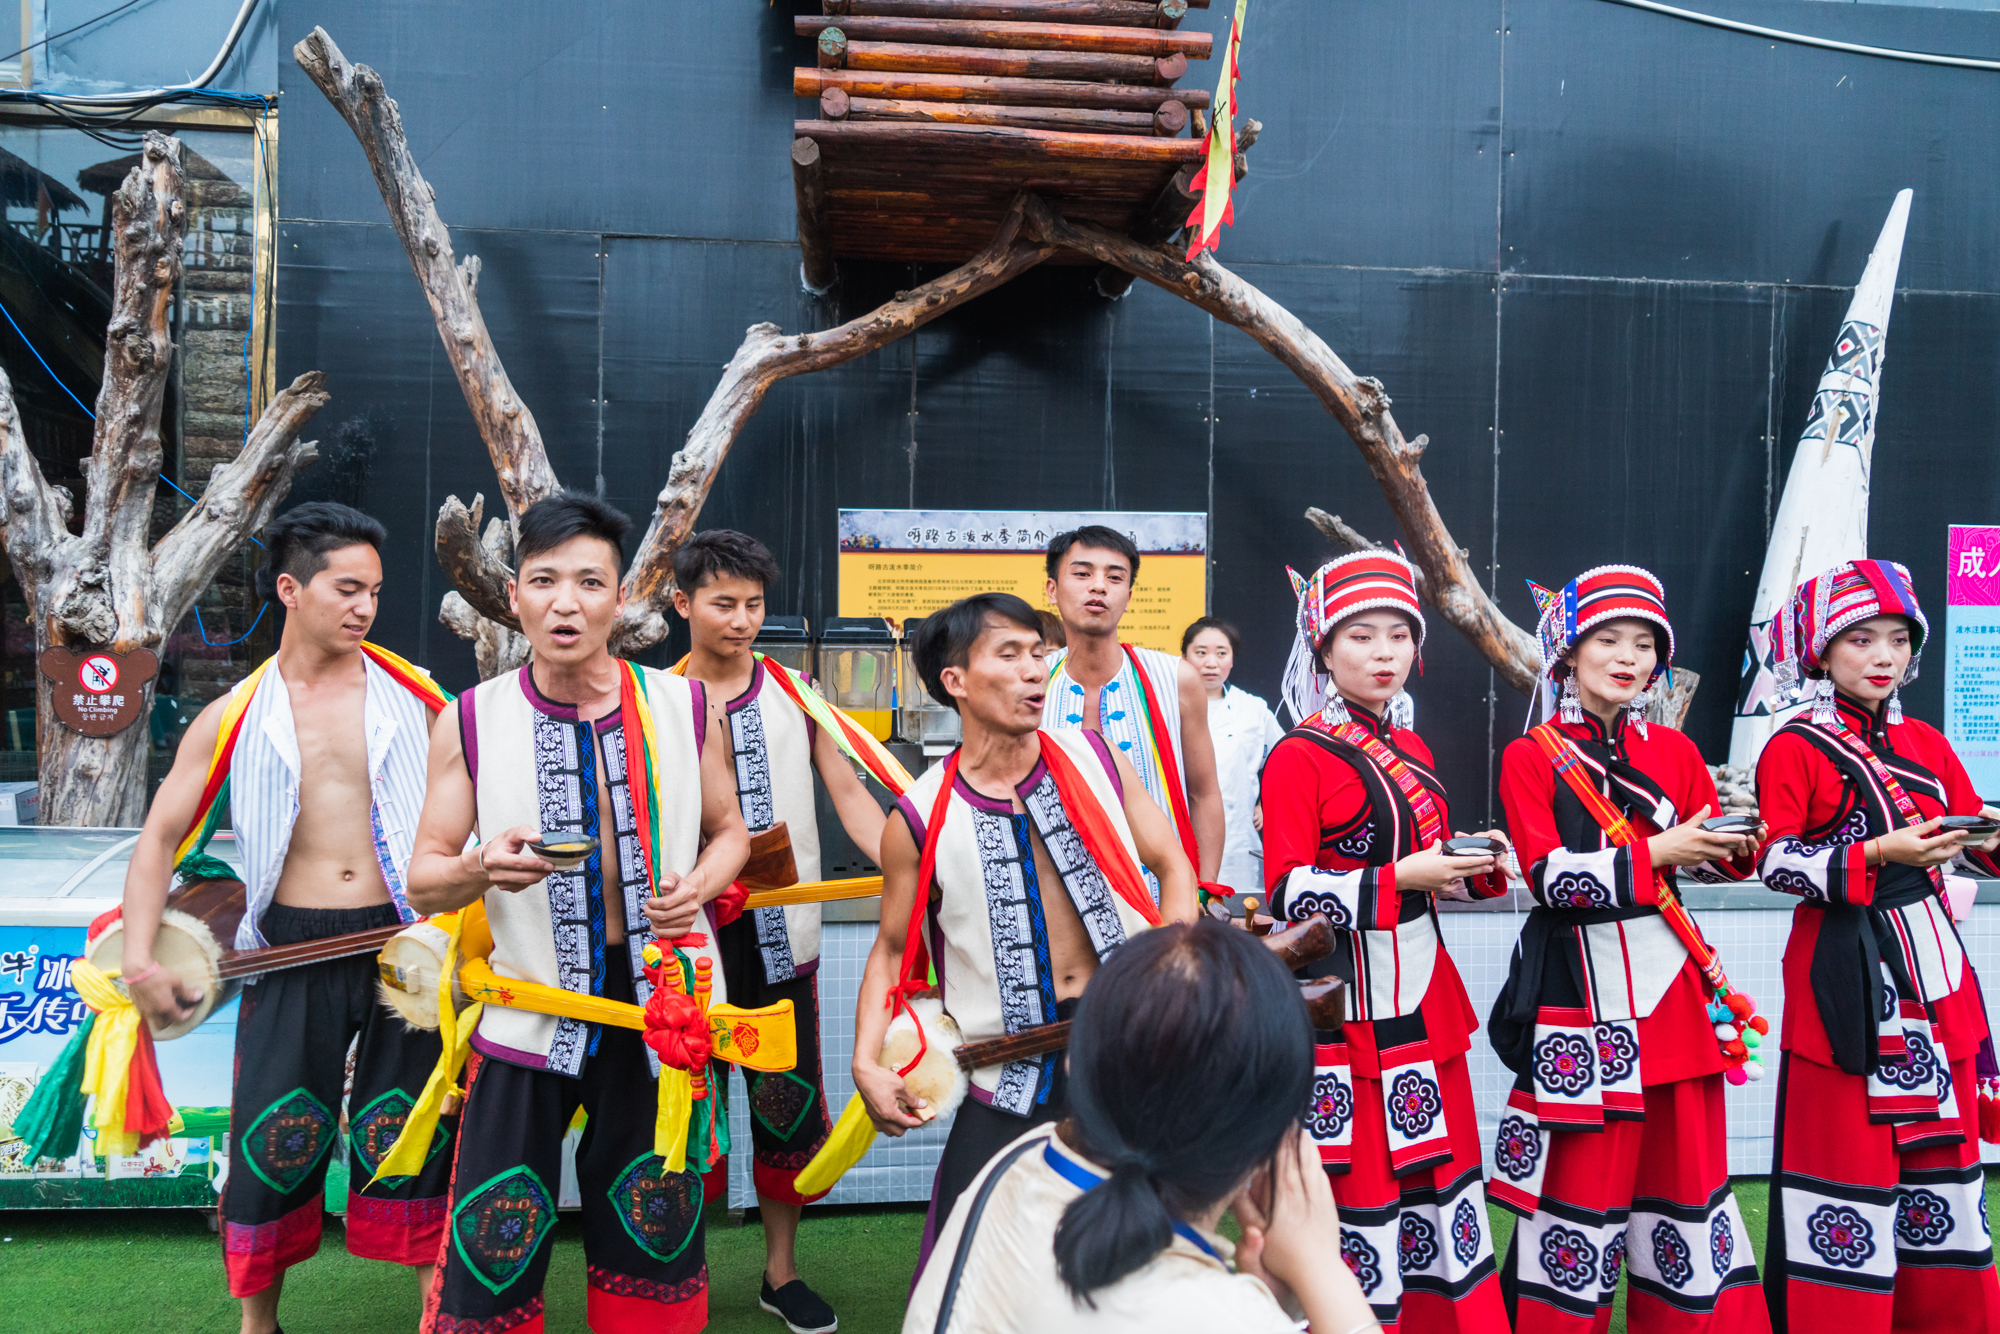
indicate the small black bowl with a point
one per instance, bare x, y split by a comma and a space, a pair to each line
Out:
564, 851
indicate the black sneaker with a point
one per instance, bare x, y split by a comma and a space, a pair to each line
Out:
803, 1310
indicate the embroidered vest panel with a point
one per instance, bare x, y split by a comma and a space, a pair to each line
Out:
530, 773
987, 967
770, 741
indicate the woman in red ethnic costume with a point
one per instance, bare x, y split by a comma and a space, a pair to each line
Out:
1612, 1146
1353, 816
1878, 1202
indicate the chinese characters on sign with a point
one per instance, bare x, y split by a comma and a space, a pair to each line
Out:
1972, 652
908, 563
44, 1005
95, 691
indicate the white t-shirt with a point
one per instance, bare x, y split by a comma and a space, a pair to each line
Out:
1243, 729
1010, 1284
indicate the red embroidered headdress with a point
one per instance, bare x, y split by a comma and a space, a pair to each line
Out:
1364, 581
1829, 603
1607, 593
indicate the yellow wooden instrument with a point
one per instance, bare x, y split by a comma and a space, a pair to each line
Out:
761, 1039
815, 891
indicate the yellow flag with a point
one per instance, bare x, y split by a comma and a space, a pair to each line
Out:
1217, 178
413, 1143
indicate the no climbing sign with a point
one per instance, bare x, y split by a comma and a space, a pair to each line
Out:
98, 692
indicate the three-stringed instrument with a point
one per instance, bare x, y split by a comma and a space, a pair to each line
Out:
1296, 946
199, 921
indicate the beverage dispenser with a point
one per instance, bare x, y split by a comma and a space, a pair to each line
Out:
857, 670
787, 639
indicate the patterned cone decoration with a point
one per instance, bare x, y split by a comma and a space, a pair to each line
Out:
1823, 518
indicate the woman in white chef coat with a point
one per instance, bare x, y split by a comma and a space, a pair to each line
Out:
1243, 729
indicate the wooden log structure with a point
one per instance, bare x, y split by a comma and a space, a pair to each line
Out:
933, 114
809, 82
1072, 37
809, 191
1124, 13
838, 52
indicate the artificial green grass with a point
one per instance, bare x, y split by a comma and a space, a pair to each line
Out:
112, 1272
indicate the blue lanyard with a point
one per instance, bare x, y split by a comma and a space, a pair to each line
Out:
1084, 1179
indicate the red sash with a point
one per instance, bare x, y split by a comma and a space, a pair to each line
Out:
1905, 805
1093, 825
1570, 767
1170, 769
1430, 821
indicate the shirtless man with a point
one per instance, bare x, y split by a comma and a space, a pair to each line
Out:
324, 813
1016, 792
533, 751
1117, 690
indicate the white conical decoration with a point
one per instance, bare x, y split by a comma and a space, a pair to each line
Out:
1823, 518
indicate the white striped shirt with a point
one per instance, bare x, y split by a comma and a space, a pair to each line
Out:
264, 788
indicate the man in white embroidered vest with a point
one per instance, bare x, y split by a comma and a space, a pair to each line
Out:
1151, 706
1015, 868
771, 954
324, 813
523, 756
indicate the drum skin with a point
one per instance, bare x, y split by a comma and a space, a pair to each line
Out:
198, 920
409, 968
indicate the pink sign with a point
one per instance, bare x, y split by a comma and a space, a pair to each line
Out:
1972, 571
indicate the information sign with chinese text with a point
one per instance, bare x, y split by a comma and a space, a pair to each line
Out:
1972, 652
907, 563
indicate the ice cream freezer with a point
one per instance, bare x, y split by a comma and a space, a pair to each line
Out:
53, 883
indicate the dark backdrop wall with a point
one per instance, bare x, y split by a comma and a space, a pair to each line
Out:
1597, 255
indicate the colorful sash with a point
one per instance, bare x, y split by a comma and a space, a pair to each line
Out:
191, 859
707, 1137
1910, 1087
1162, 745
1423, 804
1892, 793
1736, 1008
1093, 825
854, 1132
1570, 767
855, 741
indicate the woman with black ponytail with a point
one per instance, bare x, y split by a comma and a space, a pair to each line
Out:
1190, 1064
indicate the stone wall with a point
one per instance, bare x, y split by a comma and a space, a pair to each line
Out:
215, 319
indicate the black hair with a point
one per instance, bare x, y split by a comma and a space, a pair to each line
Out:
945, 639
554, 520
1211, 623
298, 541
716, 552
1190, 1066
1091, 535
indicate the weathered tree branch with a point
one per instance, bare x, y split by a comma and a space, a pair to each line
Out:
96, 592
766, 356
476, 569
106, 587
1360, 405
1336, 530
238, 500
35, 520
497, 642
512, 439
